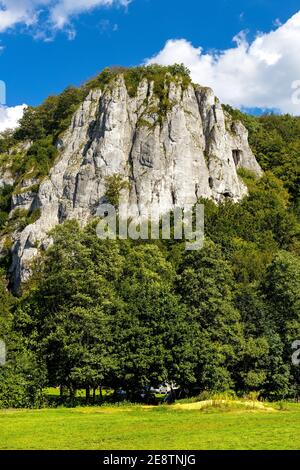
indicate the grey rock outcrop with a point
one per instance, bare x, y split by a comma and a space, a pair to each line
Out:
6, 179
25, 198
193, 151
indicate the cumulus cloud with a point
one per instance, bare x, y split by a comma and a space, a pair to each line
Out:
10, 116
264, 73
58, 13
64, 9
26, 12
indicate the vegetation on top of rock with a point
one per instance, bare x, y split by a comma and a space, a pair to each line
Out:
50, 118
160, 76
133, 76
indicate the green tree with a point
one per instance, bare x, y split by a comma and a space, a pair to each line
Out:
78, 348
67, 306
153, 333
22, 376
206, 285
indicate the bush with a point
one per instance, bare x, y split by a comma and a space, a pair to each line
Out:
52, 117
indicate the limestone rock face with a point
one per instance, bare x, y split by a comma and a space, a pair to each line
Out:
6, 179
192, 151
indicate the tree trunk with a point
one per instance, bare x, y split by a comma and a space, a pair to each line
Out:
94, 395
101, 394
87, 394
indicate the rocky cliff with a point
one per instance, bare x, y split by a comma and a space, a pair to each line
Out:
192, 150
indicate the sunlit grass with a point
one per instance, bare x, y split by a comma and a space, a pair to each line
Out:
138, 427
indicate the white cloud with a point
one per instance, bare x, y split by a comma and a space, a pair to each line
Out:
64, 9
9, 117
13, 12
58, 12
257, 74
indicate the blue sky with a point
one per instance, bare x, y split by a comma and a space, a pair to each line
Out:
44, 57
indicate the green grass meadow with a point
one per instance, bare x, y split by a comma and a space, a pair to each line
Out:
150, 428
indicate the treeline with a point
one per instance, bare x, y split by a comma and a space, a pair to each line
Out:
129, 315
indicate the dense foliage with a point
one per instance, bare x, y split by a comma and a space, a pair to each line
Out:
130, 315
134, 75
275, 141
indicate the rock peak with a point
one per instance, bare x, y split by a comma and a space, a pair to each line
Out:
171, 143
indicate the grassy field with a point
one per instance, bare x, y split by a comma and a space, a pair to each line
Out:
158, 428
